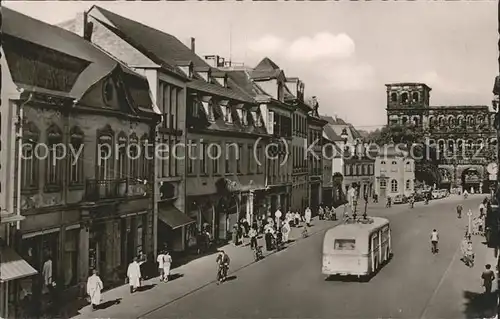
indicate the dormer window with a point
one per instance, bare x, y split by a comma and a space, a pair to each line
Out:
209, 109
243, 115
205, 74
187, 70
228, 116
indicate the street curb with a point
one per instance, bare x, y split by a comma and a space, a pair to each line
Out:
234, 271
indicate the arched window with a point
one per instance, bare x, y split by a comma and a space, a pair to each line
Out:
408, 185
394, 186
461, 121
404, 98
416, 120
122, 160
470, 120
460, 145
394, 97
76, 156
470, 144
451, 145
441, 146
105, 142
432, 120
394, 163
134, 155
29, 162
416, 97
383, 183
451, 121
479, 144
54, 161
441, 121
480, 119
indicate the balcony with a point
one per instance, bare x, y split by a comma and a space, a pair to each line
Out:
96, 190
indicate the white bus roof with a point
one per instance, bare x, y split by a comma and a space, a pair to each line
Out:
354, 230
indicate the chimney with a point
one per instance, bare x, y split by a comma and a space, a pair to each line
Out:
193, 45
88, 27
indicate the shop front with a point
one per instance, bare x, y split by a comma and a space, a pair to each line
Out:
176, 230
13, 270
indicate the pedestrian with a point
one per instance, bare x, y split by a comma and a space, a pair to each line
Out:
167, 264
482, 209
47, 274
253, 237
286, 231
307, 216
459, 211
297, 219
277, 216
488, 276
321, 212
234, 235
94, 287
134, 275
161, 261
268, 237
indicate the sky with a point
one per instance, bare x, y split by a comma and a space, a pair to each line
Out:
344, 52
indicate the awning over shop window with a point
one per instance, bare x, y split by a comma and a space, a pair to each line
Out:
12, 266
173, 217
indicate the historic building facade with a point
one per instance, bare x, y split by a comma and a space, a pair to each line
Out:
315, 126
464, 136
394, 173
133, 44
87, 121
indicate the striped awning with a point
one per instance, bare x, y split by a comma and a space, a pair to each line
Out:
12, 266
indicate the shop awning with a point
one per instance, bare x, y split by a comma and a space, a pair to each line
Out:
12, 266
173, 217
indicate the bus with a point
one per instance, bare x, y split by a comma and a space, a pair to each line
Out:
357, 248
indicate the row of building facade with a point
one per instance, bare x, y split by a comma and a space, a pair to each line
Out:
119, 140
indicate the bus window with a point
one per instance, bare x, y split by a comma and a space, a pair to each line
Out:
385, 234
345, 244
375, 241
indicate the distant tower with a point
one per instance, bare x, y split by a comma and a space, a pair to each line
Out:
407, 103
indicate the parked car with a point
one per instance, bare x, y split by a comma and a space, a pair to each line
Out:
436, 194
400, 199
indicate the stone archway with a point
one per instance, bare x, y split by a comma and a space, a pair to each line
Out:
471, 178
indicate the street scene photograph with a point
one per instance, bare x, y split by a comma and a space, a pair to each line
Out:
202, 160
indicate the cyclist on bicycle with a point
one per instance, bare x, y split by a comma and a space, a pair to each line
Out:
434, 241
223, 266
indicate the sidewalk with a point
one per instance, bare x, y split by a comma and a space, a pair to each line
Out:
188, 278
460, 294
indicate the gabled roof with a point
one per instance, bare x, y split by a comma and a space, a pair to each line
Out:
245, 85
164, 46
333, 120
170, 52
266, 65
330, 133
25, 28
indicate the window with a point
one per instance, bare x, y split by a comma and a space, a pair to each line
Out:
344, 244
394, 97
122, 155
408, 185
239, 158
105, 152
166, 105
404, 98
214, 153
147, 157
203, 159
29, 162
382, 163
54, 162
191, 156
415, 96
250, 159
76, 156
164, 154
358, 169
394, 163
441, 121
227, 154
228, 116
394, 186
259, 159
134, 153
383, 183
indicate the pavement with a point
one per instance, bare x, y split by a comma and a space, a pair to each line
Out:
289, 284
